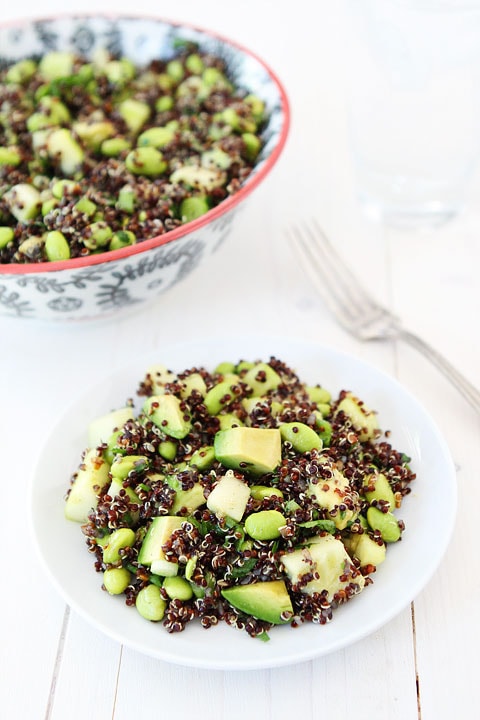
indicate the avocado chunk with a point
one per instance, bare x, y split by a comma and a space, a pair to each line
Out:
190, 499
89, 481
220, 396
367, 550
254, 450
334, 492
102, 428
169, 414
326, 558
268, 601
117, 485
229, 497
302, 437
261, 378
362, 418
159, 532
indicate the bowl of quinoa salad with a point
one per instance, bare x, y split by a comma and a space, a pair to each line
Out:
127, 147
116, 567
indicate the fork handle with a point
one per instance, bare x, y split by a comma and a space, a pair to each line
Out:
469, 391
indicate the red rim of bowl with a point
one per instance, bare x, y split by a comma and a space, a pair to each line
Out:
193, 225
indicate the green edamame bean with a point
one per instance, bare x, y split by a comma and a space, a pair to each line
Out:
386, 524
98, 234
264, 525
251, 145
167, 449
177, 588
225, 367
195, 64
175, 70
213, 76
203, 458
164, 103
229, 420
119, 539
377, 487
193, 207
318, 394
218, 396
150, 603
121, 239
86, 206
21, 71
324, 430
9, 156
116, 580
122, 466
302, 437
112, 147
156, 137
135, 113
49, 205
259, 492
6, 236
145, 160
63, 187
56, 246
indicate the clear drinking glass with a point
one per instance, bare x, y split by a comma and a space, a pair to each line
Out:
414, 73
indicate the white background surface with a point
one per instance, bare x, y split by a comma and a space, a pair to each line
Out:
53, 665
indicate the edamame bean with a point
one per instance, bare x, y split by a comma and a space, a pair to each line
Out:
203, 458
225, 367
121, 239
156, 137
56, 246
135, 113
318, 394
145, 160
193, 207
119, 539
98, 234
150, 603
167, 449
386, 524
164, 103
9, 156
122, 466
324, 430
86, 206
6, 236
259, 492
251, 145
114, 146
175, 70
302, 437
116, 580
177, 588
377, 487
21, 71
219, 395
264, 525
195, 64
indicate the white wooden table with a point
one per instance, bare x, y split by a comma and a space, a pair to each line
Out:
53, 665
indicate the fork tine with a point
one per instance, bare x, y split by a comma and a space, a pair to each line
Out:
340, 288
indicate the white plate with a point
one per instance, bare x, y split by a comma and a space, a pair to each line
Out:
409, 564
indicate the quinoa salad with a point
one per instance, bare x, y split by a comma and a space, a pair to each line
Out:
99, 154
243, 495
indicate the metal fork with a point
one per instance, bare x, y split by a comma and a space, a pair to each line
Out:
356, 310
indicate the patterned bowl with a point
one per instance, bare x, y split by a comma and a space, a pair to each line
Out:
99, 285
